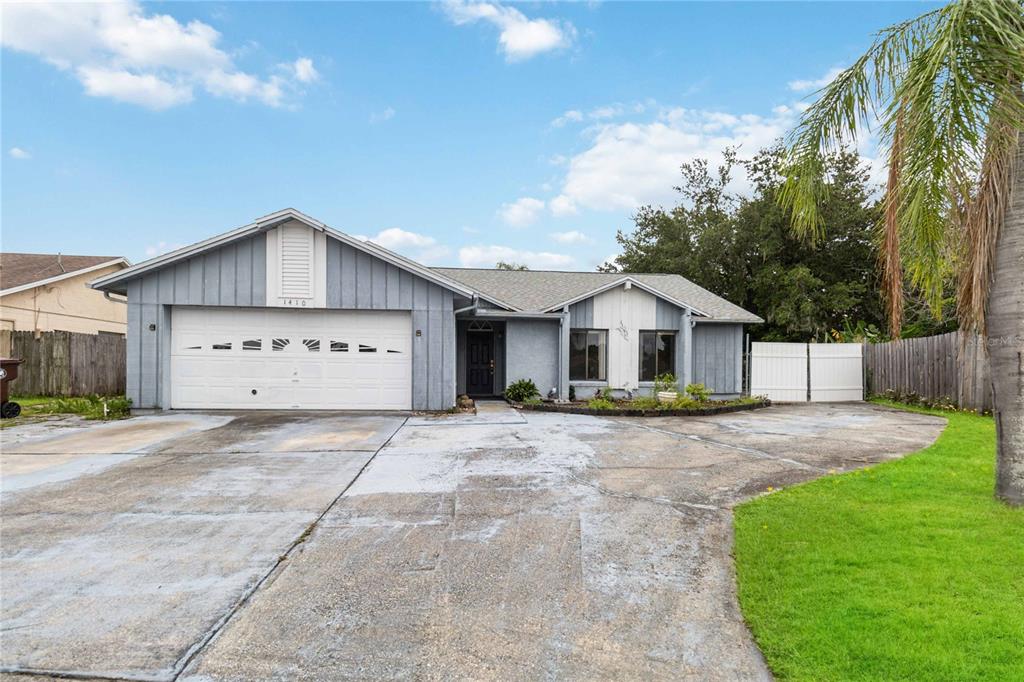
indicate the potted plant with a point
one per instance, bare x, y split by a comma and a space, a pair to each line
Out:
665, 388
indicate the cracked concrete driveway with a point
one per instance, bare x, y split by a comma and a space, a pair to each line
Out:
320, 546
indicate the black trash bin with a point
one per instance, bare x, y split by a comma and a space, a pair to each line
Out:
8, 373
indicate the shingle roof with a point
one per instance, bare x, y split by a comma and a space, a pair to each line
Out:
539, 290
19, 269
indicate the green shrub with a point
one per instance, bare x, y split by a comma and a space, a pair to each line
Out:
698, 392
915, 400
665, 382
522, 390
600, 404
645, 403
91, 407
683, 403
532, 401
572, 392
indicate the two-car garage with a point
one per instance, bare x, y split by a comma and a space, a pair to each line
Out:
287, 314
273, 358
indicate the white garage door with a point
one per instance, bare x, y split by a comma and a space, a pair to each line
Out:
290, 359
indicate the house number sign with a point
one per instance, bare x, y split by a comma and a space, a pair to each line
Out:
301, 302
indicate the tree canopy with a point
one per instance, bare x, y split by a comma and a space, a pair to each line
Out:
744, 249
502, 265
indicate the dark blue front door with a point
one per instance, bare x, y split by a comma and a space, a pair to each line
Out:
480, 363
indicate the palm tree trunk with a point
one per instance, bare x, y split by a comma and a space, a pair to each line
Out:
1006, 341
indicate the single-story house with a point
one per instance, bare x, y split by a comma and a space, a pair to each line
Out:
288, 313
43, 292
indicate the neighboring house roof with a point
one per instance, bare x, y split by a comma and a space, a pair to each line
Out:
545, 290
22, 271
267, 222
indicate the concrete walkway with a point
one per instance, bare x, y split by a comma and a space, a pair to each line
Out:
490, 546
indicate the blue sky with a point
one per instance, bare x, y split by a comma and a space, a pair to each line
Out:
455, 133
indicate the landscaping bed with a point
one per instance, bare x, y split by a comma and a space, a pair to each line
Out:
692, 401
624, 409
909, 569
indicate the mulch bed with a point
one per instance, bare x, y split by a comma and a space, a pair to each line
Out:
581, 408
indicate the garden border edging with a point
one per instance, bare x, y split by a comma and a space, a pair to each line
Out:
627, 412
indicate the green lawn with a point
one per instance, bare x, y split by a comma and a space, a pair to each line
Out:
908, 570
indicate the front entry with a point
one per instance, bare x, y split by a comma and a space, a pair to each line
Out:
480, 363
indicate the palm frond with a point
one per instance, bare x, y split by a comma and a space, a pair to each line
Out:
946, 89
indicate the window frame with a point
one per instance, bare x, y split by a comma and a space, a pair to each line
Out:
640, 354
586, 361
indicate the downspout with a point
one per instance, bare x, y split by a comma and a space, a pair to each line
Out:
563, 355
686, 323
476, 304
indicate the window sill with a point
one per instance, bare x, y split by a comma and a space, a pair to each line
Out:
587, 382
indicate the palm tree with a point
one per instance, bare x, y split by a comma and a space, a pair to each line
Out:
944, 92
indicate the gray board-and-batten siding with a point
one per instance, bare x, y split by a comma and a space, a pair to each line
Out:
234, 275
717, 359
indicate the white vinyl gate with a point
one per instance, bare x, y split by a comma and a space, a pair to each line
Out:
798, 372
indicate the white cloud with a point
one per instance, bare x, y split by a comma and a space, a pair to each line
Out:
119, 50
486, 256
562, 206
304, 70
521, 212
419, 247
602, 113
19, 153
146, 89
606, 112
815, 84
382, 116
571, 116
242, 86
570, 237
160, 248
631, 164
520, 37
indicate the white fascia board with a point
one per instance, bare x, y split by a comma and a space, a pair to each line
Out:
260, 224
515, 314
272, 220
756, 320
176, 255
402, 262
633, 282
286, 214
66, 275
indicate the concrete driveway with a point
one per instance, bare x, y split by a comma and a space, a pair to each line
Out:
320, 546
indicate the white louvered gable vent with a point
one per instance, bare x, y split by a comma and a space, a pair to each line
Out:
296, 253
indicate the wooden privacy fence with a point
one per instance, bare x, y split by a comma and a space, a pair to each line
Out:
932, 367
67, 364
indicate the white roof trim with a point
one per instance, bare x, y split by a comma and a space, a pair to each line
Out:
270, 221
176, 255
484, 312
402, 262
66, 275
633, 282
